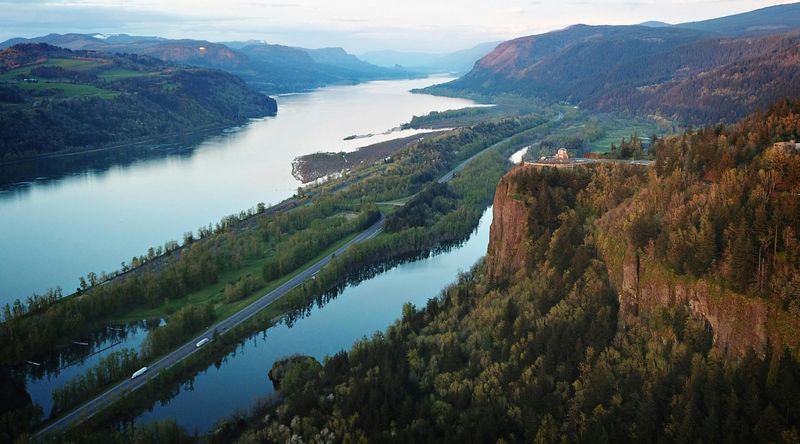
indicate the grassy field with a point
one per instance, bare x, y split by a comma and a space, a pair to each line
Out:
70, 90
397, 202
214, 293
11, 76
76, 64
72, 64
617, 130
120, 74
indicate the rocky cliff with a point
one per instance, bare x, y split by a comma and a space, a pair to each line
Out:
508, 240
740, 324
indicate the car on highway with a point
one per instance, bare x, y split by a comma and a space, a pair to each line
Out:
202, 342
139, 372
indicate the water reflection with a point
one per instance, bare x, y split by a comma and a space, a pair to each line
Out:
45, 373
91, 219
17, 179
240, 378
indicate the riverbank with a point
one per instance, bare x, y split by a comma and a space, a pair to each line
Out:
449, 227
211, 382
158, 194
229, 249
209, 130
299, 303
312, 167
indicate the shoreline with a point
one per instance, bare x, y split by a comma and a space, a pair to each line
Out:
216, 129
310, 168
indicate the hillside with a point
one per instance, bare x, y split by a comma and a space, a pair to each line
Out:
56, 100
454, 62
692, 75
769, 20
267, 67
616, 304
287, 69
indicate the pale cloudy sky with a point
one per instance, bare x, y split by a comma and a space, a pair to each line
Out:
357, 25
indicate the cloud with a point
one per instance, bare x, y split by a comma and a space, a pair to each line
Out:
354, 24
34, 18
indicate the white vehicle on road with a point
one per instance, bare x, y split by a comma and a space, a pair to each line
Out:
202, 342
139, 372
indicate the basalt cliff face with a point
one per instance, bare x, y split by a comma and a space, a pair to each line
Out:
508, 237
740, 324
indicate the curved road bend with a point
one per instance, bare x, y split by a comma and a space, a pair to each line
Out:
106, 398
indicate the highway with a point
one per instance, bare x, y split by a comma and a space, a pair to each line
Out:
105, 399
452, 173
108, 397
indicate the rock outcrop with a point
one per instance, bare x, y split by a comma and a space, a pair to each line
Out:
740, 324
508, 237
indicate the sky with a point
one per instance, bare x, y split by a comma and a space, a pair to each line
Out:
357, 25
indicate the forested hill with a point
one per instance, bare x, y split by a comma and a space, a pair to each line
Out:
697, 76
769, 20
269, 68
617, 304
55, 100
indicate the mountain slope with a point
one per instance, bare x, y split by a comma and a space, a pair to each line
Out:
340, 58
769, 20
684, 74
457, 62
54, 100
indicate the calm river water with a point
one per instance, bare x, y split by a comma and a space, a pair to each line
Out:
89, 213
358, 311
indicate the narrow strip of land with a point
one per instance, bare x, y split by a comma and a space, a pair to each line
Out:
111, 395
105, 399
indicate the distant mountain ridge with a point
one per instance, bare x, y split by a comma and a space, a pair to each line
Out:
769, 20
716, 70
267, 67
455, 62
655, 24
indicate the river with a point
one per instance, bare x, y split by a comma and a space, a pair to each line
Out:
91, 212
358, 312
67, 363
